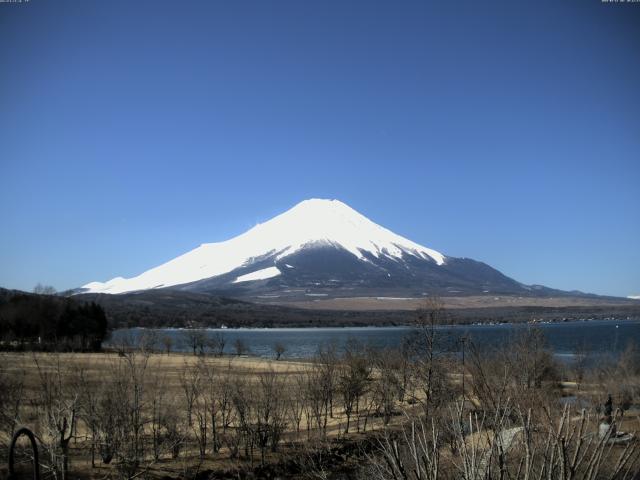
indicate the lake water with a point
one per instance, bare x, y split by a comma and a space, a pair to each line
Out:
565, 339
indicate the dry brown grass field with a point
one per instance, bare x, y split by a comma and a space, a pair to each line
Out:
173, 375
360, 414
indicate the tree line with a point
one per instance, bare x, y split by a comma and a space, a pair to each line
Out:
45, 321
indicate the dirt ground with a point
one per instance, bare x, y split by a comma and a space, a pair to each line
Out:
474, 301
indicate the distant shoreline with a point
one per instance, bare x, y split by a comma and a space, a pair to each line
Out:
384, 327
388, 327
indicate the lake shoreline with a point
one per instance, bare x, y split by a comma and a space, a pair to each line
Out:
564, 338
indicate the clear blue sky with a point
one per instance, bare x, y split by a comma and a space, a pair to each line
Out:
508, 132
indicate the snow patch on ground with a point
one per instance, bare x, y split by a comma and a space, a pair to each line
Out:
258, 275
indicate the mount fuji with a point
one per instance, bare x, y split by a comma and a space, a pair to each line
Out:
319, 248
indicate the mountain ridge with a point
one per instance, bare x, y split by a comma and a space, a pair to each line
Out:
320, 248
310, 223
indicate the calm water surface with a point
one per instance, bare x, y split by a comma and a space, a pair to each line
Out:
565, 339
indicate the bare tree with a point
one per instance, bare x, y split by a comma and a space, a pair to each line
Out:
41, 289
317, 397
386, 386
412, 455
240, 347
190, 382
326, 362
531, 358
224, 398
12, 388
212, 392
279, 349
270, 418
354, 374
491, 445
163, 421
243, 401
90, 394
12, 383
167, 343
217, 343
122, 413
427, 348
196, 340
201, 410
297, 400
58, 404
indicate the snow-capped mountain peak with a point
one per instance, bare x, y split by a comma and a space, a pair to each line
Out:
333, 222
311, 223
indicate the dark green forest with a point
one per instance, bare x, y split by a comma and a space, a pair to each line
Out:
50, 322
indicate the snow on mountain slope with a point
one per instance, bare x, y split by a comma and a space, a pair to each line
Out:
311, 222
263, 274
